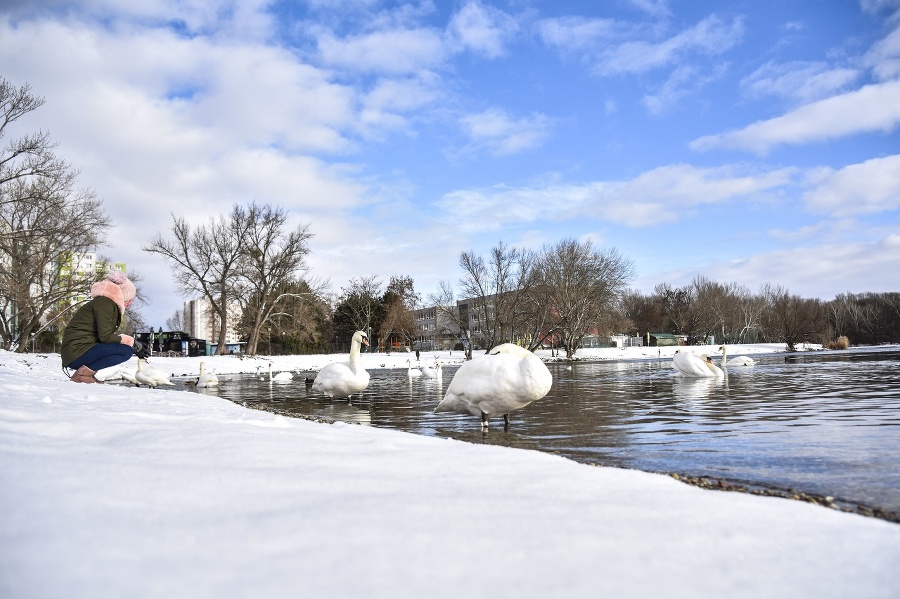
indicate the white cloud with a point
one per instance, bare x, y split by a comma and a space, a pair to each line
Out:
871, 108
482, 29
798, 81
867, 188
502, 135
813, 271
662, 195
711, 36
884, 56
398, 51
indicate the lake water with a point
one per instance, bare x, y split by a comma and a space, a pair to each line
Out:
822, 423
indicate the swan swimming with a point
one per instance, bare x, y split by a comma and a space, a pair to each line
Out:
508, 378
343, 379
280, 377
737, 360
412, 372
207, 379
690, 364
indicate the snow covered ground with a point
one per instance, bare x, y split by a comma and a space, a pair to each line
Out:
113, 491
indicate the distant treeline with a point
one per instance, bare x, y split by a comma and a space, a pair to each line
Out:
731, 313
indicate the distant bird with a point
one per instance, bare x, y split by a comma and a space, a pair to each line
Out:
343, 379
737, 360
152, 377
309, 382
207, 379
690, 364
280, 377
412, 372
508, 378
428, 372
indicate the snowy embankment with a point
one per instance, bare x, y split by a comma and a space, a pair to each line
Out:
114, 491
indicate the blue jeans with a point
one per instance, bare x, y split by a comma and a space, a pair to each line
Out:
102, 355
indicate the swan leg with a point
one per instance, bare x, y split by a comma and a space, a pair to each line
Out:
484, 420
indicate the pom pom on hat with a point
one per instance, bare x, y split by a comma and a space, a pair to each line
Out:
119, 278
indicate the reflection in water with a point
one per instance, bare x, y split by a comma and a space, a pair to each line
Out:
825, 423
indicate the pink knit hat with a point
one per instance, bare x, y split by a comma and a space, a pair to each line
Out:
127, 287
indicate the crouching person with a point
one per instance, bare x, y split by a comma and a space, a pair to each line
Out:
90, 340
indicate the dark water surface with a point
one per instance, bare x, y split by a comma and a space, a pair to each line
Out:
823, 423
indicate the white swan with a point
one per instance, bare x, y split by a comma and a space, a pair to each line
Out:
428, 372
508, 378
128, 375
690, 364
412, 372
152, 377
737, 360
343, 379
279, 377
207, 379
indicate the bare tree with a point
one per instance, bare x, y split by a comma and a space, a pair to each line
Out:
792, 319
29, 157
176, 321
45, 223
273, 257
448, 316
399, 301
206, 260
498, 288
583, 285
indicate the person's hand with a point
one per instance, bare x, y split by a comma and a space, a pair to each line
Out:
139, 350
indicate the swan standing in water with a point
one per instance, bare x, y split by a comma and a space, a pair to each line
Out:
508, 378
412, 372
207, 379
737, 360
343, 379
690, 364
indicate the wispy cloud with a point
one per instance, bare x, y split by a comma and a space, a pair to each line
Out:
482, 29
501, 135
399, 51
711, 37
800, 82
871, 108
663, 195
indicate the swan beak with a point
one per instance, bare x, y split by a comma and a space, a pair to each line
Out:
365, 341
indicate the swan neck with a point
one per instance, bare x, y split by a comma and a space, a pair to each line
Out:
354, 355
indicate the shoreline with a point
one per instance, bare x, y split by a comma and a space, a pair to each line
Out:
709, 483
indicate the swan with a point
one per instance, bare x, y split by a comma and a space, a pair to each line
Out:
737, 360
128, 375
428, 372
343, 379
691, 365
279, 377
508, 378
152, 377
207, 379
412, 372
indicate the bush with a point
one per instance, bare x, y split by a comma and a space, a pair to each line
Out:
840, 343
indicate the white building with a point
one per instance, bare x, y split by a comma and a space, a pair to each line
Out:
201, 322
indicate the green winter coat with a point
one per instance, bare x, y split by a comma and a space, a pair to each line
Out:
95, 322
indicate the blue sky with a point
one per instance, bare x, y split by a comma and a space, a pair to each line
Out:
749, 142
